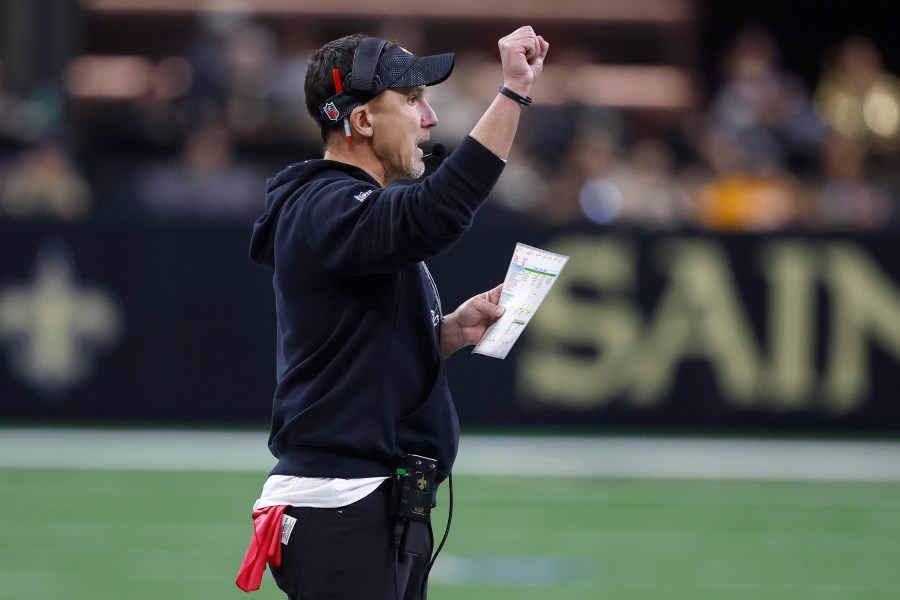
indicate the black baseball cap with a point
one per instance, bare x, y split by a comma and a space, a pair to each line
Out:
376, 69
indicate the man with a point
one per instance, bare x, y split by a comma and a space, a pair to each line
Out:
361, 332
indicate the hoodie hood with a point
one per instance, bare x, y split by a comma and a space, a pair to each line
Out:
280, 190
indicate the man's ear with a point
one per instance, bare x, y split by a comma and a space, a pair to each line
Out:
361, 120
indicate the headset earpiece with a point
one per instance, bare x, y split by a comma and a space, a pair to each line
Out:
365, 61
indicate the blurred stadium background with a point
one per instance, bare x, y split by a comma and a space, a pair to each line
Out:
706, 405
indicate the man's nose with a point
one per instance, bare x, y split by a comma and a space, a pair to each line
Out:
429, 118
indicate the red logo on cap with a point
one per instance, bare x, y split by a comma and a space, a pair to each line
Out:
332, 111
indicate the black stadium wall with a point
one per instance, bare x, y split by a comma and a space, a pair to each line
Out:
174, 324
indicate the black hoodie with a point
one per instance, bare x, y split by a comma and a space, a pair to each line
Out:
360, 378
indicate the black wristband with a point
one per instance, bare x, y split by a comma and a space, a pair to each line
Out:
523, 100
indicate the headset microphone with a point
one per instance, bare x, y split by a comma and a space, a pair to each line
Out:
439, 151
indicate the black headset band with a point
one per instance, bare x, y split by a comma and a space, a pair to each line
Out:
365, 62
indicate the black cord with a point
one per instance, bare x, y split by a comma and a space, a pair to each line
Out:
398, 534
443, 540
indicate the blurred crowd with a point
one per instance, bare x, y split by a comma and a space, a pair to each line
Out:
762, 153
764, 150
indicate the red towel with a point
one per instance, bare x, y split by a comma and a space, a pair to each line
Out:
265, 547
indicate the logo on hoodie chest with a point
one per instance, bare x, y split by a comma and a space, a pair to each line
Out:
363, 195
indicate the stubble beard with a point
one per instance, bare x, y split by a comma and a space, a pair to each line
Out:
416, 168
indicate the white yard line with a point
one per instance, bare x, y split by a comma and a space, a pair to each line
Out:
629, 457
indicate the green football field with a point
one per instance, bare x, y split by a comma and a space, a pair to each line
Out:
119, 534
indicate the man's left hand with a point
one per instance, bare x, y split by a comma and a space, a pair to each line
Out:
466, 325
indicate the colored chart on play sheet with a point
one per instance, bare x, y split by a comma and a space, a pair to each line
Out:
532, 272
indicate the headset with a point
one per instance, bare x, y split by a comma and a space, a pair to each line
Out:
351, 88
362, 77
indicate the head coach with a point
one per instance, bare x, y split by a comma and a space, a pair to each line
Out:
363, 425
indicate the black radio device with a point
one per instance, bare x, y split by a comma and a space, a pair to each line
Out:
414, 481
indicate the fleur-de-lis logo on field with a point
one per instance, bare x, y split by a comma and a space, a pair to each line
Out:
53, 326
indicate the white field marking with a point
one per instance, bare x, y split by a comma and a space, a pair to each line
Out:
526, 456
518, 570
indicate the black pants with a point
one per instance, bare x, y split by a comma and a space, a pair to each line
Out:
350, 553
